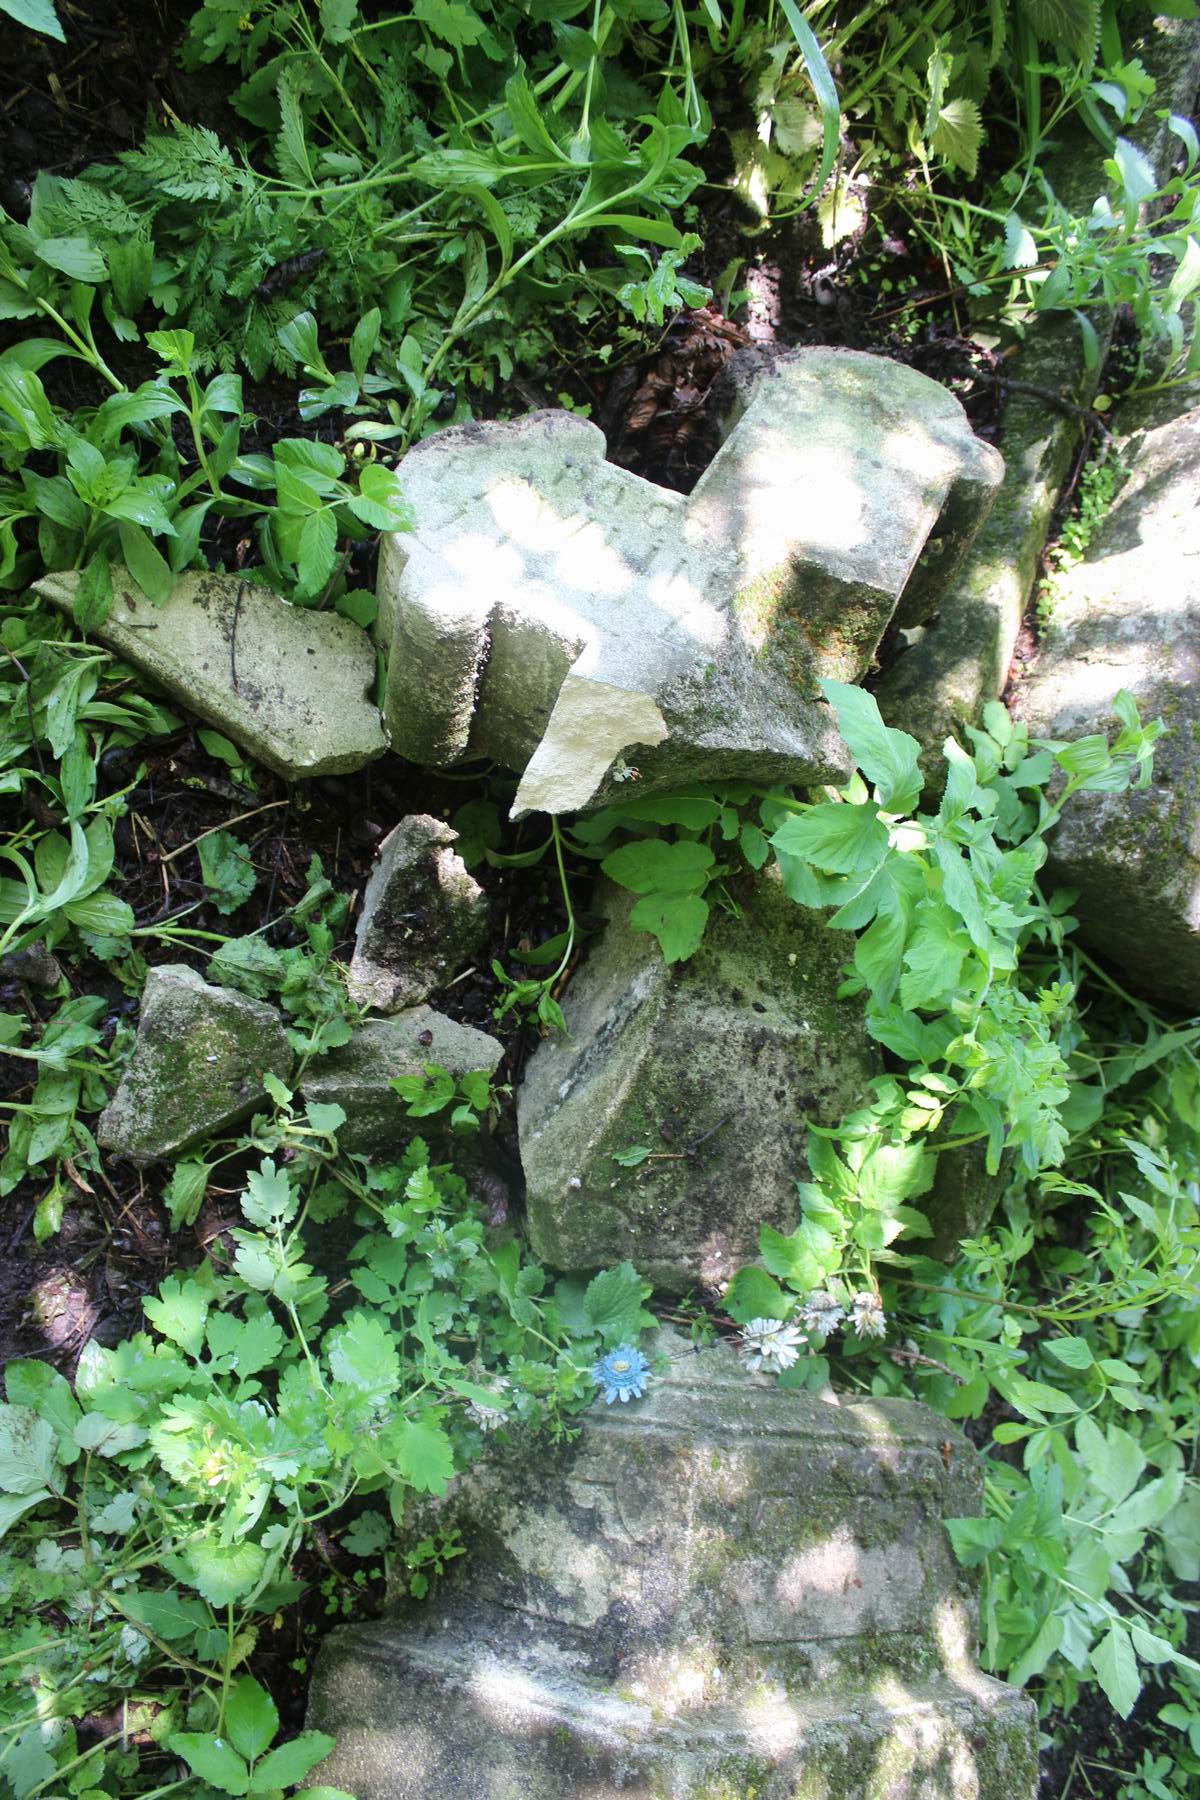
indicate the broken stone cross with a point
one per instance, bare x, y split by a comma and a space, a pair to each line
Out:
572, 620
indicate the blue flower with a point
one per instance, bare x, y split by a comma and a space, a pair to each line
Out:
622, 1374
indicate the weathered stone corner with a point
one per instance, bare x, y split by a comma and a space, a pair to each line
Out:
571, 620
292, 686
725, 1591
357, 1075
197, 1067
716, 1066
423, 915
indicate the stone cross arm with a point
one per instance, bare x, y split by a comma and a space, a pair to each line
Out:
572, 620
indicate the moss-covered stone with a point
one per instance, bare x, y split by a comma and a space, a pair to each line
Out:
715, 1066
724, 1592
197, 1067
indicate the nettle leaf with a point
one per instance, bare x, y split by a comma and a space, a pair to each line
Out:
184, 1193
658, 866
455, 24
958, 135
613, 1302
1071, 25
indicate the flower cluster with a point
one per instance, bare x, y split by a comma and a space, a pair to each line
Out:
770, 1344
621, 1374
490, 1418
821, 1312
867, 1317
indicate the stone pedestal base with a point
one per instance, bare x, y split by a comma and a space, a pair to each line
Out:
445, 1718
724, 1591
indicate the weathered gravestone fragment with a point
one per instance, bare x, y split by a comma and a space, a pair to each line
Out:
423, 914
290, 685
715, 1066
1128, 616
722, 1592
197, 1067
357, 1076
570, 619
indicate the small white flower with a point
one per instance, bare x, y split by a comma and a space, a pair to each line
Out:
770, 1344
490, 1418
867, 1318
821, 1311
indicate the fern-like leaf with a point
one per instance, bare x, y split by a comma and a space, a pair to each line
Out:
190, 163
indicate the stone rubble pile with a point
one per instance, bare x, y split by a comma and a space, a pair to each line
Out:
728, 1590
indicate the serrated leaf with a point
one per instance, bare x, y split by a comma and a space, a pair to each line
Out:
958, 135
1071, 25
179, 1313
28, 1451
422, 1454
613, 1300
753, 1294
226, 870
269, 1199
362, 1354
223, 1572
657, 866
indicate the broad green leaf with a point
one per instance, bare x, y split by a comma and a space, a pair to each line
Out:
28, 1451
1074, 1352
422, 1454
362, 1353
145, 563
213, 1760
888, 759
226, 870
179, 1313
35, 15
753, 1294
73, 256
1116, 1669
676, 920
291, 1761
184, 1193
166, 1612
251, 1717
614, 1301
657, 866
222, 1572
958, 135
837, 837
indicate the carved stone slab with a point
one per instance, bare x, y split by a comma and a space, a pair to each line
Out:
570, 619
723, 1591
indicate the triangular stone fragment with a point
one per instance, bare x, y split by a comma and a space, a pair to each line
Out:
713, 1069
